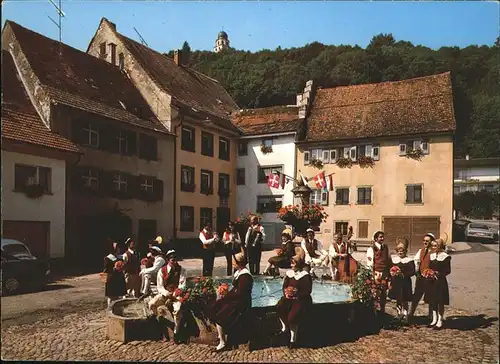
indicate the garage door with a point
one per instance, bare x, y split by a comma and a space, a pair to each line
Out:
412, 227
35, 234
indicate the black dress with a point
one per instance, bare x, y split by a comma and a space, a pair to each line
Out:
436, 290
229, 311
283, 260
294, 311
401, 285
115, 281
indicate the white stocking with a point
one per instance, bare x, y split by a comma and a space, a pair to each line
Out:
222, 337
434, 318
283, 326
405, 308
293, 333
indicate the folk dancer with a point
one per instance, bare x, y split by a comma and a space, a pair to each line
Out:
437, 293
315, 255
229, 311
232, 245
293, 307
115, 280
254, 239
422, 261
403, 268
148, 273
379, 261
132, 268
170, 277
284, 253
208, 240
339, 250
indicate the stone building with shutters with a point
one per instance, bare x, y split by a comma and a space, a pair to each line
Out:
390, 147
194, 107
121, 185
34, 162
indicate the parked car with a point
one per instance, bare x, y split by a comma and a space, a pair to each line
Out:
480, 232
459, 227
21, 269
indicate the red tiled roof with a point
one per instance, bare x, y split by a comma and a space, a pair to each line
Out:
276, 119
187, 87
20, 121
419, 105
80, 80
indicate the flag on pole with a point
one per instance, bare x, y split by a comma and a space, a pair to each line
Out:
304, 179
282, 180
329, 183
320, 181
273, 180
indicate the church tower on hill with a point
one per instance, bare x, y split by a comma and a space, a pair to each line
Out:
222, 42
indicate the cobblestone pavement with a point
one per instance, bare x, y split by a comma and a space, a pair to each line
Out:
82, 336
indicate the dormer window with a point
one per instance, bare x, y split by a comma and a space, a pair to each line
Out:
102, 50
121, 61
112, 51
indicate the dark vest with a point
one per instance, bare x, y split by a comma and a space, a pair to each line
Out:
208, 236
381, 258
172, 278
133, 263
312, 247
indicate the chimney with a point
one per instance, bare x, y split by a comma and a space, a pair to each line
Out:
178, 57
112, 52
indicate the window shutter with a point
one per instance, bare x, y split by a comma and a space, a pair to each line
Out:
368, 150
424, 145
306, 157
132, 144
108, 140
326, 156
76, 179
133, 186
77, 133
352, 153
402, 148
376, 152
417, 144
333, 156
314, 154
106, 182
346, 152
158, 189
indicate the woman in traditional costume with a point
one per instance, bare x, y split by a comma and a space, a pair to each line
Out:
293, 307
436, 290
403, 268
284, 253
229, 311
115, 280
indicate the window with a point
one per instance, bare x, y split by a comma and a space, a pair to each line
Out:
223, 184
187, 218
306, 157
345, 152
207, 182
317, 154
207, 144
123, 145
224, 148
410, 145
456, 190
269, 203
333, 156
102, 50
187, 179
150, 188
364, 195
325, 156
120, 182
206, 217
240, 176
268, 143
264, 172
148, 147
188, 139
91, 134
424, 145
341, 227
121, 61
318, 197
112, 50
375, 152
25, 176
90, 178
363, 229
352, 153
414, 194
147, 184
342, 196
242, 148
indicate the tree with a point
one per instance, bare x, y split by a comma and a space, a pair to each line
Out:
186, 52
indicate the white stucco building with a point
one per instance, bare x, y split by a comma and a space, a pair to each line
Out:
268, 146
476, 175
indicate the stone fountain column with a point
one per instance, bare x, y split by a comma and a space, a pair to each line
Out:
301, 195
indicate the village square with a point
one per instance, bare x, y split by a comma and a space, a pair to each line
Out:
168, 200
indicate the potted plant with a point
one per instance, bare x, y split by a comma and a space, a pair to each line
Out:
416, 154
301, 218
365, 162
316, 163
265, 150
344, 162
34, 190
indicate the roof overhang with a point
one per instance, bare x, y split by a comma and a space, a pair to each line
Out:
268, 135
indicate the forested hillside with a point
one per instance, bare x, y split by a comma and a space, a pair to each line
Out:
272, 77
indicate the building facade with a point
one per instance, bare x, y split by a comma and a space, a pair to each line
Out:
389, 149
120, 186
222, 42
197, 110
476, 175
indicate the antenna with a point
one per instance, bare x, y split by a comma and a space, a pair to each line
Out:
140, 36
58, 24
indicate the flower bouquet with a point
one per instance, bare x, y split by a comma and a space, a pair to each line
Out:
429, 274
395, 271
291, 293
119, 266
222, 290
147, 262
278, 252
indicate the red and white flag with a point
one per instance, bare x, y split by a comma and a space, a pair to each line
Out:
320, 181
329, 182
273, 180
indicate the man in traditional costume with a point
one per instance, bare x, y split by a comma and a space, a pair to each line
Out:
149, 272
379, 260
208, 240
315, 255
232, 245
170, 277
254, 239
132, 268
339, 251
284, 254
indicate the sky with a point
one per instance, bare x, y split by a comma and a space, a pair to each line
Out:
256, 25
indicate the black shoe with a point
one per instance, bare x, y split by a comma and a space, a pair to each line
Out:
224, 348
292, 346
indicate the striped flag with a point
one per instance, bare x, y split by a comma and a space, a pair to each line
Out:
329, 183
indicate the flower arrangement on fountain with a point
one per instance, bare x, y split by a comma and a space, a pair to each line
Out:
429, 274
245, 219
361, 288
302, 218
395, 271
197, 293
